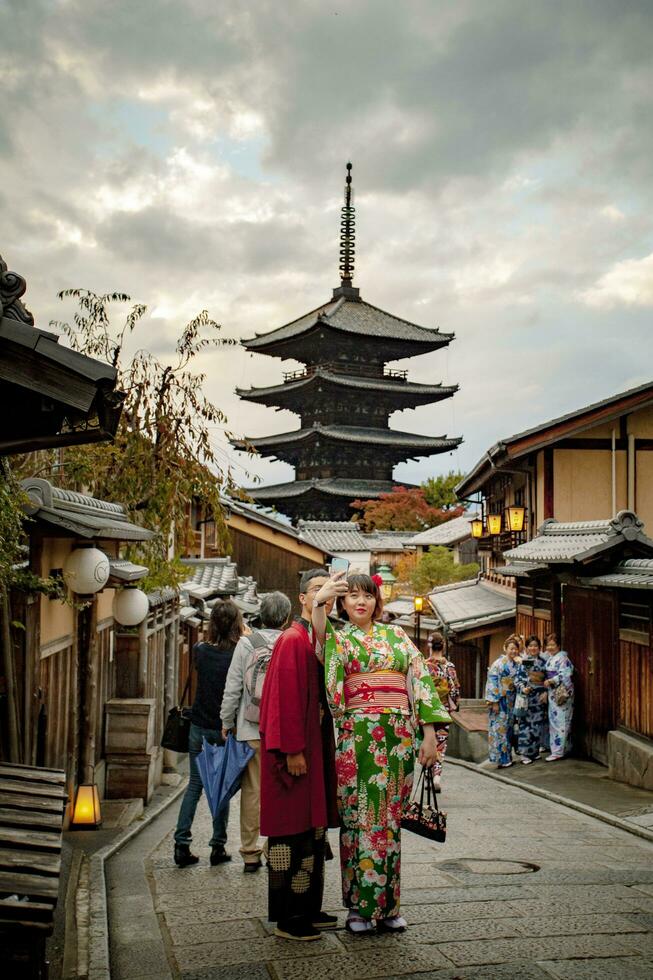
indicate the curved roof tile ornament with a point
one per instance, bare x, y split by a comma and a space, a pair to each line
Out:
12, 287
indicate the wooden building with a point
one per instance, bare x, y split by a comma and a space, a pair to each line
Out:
263, 547
455, 535
592, 582
344, 395
587, 465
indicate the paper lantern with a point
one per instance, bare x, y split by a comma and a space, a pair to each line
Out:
516, 518
477, 528
130, 607
86, 811
418, 603
86, 570
494, 523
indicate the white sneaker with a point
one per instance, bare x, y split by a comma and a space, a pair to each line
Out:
527, 762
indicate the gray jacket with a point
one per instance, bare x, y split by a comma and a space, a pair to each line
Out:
232, 711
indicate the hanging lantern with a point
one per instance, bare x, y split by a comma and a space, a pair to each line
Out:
494, 523
477, 528
516, 518
387, 581
86, 811
86, 570
418, 603
130, 607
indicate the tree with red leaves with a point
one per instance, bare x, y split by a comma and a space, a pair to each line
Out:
402, 509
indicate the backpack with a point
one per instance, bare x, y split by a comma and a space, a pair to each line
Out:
255, 671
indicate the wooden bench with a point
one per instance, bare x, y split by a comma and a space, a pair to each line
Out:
32, 803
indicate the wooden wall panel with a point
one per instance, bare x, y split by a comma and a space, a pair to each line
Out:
471, 662
636, 689
58, 684
273, 568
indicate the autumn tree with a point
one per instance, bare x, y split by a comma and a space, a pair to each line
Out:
437, 567
163, 456
440, 491
402, 509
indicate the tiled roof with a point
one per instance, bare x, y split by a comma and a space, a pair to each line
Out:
388, 540
87, 517
335, 487
633, 573
392, 385
261, 515
450, 532
520, 569
126, 571
355, 317
210, 577
354, 433
576, 541
333, 536
467, 605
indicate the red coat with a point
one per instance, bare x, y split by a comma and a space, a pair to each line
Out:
290, 723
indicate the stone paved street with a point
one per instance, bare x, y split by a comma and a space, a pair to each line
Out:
475, 913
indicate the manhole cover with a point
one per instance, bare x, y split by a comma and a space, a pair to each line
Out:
486, 866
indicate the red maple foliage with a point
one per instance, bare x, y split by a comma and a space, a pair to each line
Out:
402, 509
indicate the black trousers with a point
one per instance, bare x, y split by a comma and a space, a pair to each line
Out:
296, 875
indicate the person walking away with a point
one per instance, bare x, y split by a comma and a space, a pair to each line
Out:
381, 695
298, 793
240, 713
447, 685
211, 662
500, 696
533, 722
559, 670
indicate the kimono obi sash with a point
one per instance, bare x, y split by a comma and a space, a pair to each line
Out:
381, 690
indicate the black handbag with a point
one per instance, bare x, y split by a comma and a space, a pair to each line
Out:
177, 730
424, 818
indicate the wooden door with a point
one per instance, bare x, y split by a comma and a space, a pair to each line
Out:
590, 639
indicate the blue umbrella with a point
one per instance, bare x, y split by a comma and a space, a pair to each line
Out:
220, 768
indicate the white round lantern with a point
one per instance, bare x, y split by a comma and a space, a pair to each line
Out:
86, 570
130, 607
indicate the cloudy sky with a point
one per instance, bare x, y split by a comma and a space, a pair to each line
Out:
191, 153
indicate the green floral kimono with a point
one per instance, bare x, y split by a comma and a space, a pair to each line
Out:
375, 756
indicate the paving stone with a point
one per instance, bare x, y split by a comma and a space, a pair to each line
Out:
193, 933
254, 951
430, 896
513, 971
249, 972
459, 911
505, 950
433, 934
207, 908
369, 962
602, 969
642, 943
139, 958
581, 925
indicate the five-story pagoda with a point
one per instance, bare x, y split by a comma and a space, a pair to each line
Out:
344, 448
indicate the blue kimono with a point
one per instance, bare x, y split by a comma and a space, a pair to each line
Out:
559, 669
533, 726
500, 689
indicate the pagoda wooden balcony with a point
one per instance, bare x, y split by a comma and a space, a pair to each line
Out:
354, 370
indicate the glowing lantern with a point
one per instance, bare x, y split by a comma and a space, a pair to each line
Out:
86, 570
494, 523
477, 528
418, 603
388, 579
86, 812
130, 607
516, 518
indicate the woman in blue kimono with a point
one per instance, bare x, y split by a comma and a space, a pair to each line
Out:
500, 696
533, 723
559, 670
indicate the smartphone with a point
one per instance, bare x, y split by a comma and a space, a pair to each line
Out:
339, 565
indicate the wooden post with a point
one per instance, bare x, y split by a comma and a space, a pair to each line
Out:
10, 678
142, 658
88, 674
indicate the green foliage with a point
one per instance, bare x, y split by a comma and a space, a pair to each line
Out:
12, 538
437, 567
440, 490
163, 457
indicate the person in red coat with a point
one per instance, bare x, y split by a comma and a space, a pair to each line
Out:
298, 785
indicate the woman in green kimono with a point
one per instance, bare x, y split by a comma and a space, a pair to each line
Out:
381, 695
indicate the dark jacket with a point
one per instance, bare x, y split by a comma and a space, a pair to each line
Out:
212, 664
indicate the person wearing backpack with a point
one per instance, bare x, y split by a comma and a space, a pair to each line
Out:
240, 713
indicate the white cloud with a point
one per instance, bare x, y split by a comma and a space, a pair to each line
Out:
628, 283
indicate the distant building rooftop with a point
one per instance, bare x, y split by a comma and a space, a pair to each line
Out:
469, 605
333, 536
457, 529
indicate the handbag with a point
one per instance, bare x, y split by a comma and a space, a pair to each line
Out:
561, 695
425, 818
521, 706
177, 730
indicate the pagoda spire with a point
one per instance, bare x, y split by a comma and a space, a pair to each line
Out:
347, 242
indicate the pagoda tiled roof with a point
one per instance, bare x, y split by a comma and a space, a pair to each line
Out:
385, 384
353, 433
334, 487
352, 316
